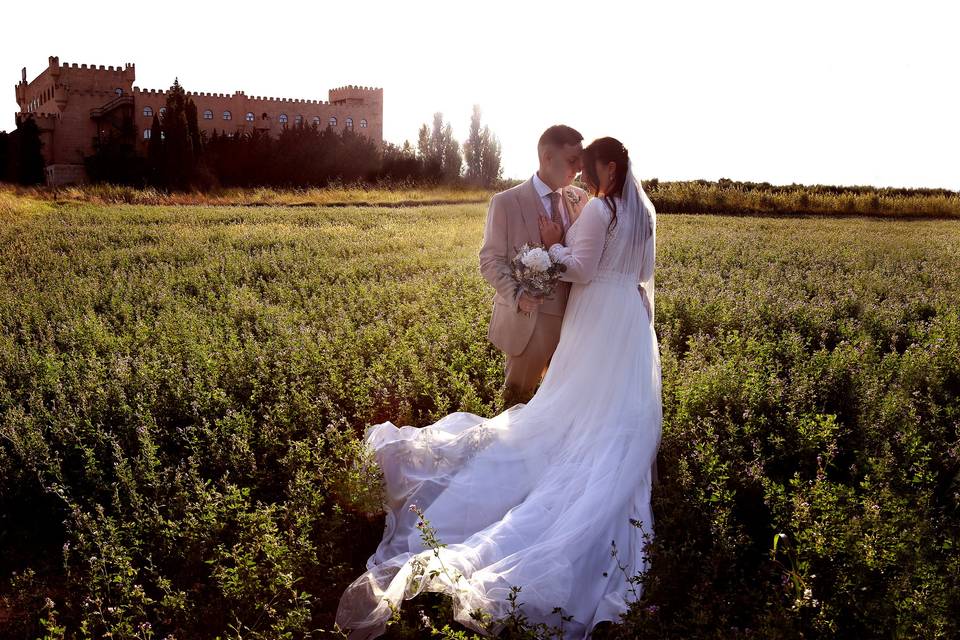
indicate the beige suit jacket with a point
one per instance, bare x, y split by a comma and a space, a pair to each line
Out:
512, 221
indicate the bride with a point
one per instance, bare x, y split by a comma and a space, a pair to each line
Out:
541, 495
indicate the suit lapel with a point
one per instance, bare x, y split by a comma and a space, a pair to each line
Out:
530, 208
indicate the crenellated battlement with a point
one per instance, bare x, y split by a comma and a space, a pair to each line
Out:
102, 93
41, 115
355, 87
356, 95
127, 66
238, 94
163, 92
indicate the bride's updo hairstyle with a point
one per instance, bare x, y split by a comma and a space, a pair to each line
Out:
607, 150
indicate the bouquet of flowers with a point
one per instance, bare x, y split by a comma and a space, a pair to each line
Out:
534, 271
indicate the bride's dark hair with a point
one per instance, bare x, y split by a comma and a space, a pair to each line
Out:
607, 150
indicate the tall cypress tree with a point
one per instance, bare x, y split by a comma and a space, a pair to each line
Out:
155, 160
437, 142
193, 127
28, 158
473, 149
178, 154
490, 155
4, 144
452, 160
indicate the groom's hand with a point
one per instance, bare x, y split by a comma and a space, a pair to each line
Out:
550, 232
528, 304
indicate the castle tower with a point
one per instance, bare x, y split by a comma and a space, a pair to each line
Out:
75, 107
365, 100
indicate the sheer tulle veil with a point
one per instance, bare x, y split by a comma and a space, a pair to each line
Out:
636, 203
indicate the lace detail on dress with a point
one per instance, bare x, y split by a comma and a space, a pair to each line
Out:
611, 235
429, 450
479, 437
609, 241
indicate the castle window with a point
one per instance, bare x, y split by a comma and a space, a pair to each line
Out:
316, 120
148, 111
163, 110
363, 123
146, 134
163, 136
208, 114
119, 91
283, 118
227, 115
349, 123
250, 116
333, 121
298, 120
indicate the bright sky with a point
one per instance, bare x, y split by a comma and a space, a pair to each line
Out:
811, 92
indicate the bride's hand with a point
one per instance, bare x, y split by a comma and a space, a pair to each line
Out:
550, 232
643, 296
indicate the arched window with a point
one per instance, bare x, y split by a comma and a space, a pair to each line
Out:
333, 121
316, 120
163, 136
148, 112
250, 116
363, 123
208, 114
283, 118
298, 120
118, 91
227, 115
163, 110
349, 122
146, 134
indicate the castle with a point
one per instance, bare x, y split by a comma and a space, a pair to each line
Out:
75, 106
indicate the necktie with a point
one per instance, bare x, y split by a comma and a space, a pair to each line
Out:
555, 208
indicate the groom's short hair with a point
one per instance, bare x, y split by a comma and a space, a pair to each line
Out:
559, 135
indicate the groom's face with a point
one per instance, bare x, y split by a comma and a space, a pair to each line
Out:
562, 163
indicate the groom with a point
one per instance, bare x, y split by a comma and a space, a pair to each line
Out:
525, 328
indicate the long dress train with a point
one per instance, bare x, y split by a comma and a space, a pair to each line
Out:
539, 495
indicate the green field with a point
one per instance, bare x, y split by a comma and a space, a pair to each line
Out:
181, 388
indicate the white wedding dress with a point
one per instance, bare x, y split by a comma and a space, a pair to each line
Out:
534, 496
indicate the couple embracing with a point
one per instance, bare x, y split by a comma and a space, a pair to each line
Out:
552, 494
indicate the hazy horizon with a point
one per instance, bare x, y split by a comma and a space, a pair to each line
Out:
858, 94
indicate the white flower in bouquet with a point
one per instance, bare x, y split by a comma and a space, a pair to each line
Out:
536, 259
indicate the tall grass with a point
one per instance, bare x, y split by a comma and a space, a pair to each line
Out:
182, 389
336, 194
724, 197
702, 197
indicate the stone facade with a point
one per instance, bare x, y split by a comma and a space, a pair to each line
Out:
74, 105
